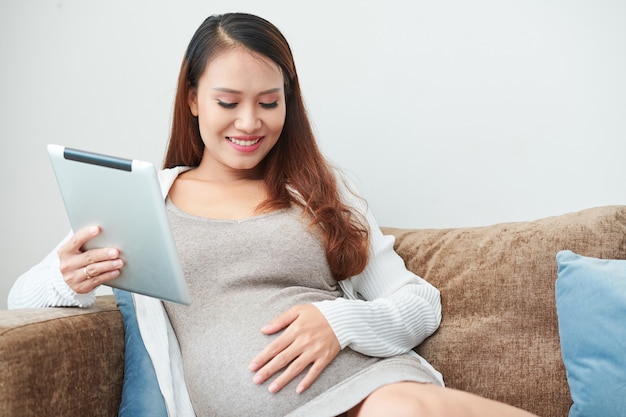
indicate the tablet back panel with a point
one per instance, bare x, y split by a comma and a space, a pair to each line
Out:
123, 197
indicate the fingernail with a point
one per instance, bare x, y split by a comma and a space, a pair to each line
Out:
253, 366
273, 388
117, 263
112, 253
93, 230
257, 379
265, 328
299, 389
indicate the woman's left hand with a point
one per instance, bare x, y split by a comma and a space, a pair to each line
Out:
307, 340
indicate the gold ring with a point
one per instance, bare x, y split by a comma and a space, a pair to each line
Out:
87, 276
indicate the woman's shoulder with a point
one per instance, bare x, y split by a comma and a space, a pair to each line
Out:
348, 189
168, 175
174, 171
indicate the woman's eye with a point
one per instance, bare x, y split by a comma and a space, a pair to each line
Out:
226, 105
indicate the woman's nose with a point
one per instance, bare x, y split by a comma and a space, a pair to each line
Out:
248, 120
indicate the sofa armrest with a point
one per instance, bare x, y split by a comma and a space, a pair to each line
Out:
62, 361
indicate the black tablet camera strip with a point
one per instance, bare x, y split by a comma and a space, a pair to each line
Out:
98, 159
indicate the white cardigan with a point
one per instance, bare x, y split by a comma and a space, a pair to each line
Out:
387, 310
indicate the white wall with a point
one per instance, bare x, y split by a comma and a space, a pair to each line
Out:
448, 113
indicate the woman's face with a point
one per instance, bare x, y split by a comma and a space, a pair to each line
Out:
240, 105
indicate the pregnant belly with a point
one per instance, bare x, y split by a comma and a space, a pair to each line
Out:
220, 338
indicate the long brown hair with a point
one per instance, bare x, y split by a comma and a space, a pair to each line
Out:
295, 163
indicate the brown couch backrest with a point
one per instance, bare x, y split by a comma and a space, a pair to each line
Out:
499, 334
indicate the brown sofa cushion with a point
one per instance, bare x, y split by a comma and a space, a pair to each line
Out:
62, 361
499, 333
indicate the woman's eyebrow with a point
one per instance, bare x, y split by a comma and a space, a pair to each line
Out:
232, 91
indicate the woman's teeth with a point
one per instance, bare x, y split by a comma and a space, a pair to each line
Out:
244, 142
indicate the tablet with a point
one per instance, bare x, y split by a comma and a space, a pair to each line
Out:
123, 197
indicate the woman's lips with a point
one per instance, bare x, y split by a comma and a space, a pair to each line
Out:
245, 143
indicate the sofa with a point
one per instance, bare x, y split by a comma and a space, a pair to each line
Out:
499, 336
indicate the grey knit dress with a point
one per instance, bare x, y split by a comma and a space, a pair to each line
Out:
242, 274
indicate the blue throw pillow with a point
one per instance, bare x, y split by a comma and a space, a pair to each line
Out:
591, 307
141, 395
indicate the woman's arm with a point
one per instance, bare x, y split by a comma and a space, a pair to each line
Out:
43, 286
388, 309
68, 276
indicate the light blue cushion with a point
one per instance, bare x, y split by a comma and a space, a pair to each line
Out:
141, 395
591, 307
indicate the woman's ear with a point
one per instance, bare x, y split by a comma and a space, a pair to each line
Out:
192, 100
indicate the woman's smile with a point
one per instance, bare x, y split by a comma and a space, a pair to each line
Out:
245, 143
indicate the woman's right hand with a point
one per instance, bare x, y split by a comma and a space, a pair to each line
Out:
84, 270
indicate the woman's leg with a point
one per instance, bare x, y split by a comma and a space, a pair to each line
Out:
412, 399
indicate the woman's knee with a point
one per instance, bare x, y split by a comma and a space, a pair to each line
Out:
428, 400
408, 399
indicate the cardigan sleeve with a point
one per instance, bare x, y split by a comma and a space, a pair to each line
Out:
43, 286
387, 310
